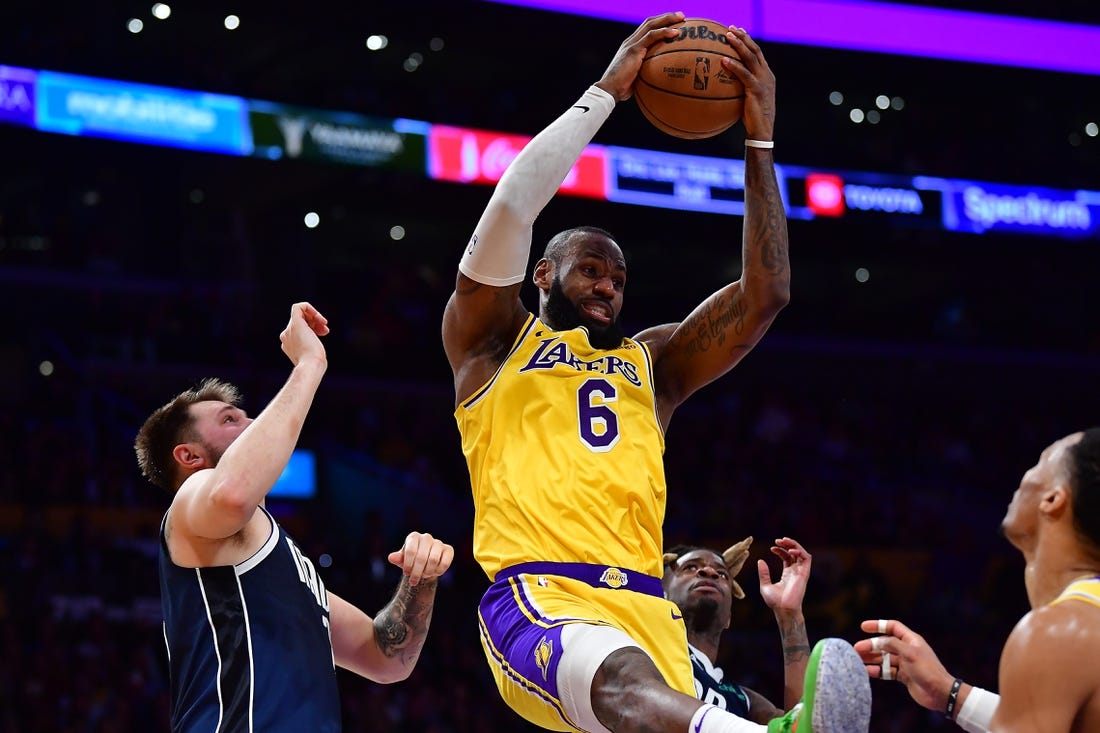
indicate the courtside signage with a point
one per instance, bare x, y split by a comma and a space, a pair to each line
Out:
669, 180
874, 196
971, 206
280, 131
465, 155
82, 105
17, 95
79, 105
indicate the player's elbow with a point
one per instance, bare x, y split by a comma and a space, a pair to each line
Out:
391, 673
775, 297
233, 499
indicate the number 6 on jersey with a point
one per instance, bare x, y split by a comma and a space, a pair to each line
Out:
598, 423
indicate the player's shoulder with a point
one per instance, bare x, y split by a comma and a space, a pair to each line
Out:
1057, 631
656, 335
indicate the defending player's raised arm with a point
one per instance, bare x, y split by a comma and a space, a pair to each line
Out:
784, 597
718, 333
218, 502
387, 647
484, 314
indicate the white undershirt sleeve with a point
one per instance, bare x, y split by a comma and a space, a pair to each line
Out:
498, 251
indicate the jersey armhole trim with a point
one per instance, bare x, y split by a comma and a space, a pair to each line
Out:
476, 396
261, 554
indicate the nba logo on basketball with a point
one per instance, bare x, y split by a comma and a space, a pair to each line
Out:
702, 72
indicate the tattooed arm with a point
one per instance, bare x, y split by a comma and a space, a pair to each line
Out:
784, 597
386, 648
718, 333
722, 330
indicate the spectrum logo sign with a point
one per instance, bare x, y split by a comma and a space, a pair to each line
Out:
465, 155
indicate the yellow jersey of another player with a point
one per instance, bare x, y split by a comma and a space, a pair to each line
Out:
1086, 589
565, 455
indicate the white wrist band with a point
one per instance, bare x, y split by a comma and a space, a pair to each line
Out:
976, 712
762, 144
498, 251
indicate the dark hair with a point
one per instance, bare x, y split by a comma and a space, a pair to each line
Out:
1084, 478
680, 550
170, 425
559, 245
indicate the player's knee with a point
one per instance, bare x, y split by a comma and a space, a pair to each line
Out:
625, 688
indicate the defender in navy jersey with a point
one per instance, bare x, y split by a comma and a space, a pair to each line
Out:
253, 635
701, 583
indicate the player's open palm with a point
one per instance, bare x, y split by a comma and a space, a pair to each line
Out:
787, 593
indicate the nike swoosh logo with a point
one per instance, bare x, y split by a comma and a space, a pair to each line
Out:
675, 616
581, 107
699, 725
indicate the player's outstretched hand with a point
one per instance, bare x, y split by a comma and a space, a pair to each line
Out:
300, 338
753, 71
787, 593
423, 557
618, 79
911, 661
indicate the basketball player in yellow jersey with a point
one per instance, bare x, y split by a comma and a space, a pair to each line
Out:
562, 421
1049, 679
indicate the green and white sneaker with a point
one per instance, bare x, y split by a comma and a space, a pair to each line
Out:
836, 696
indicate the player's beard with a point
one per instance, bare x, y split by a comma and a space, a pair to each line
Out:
562, 315
214, 453
704, 615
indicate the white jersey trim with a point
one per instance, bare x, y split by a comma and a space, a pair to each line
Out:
214, 644
261, 554
251, 658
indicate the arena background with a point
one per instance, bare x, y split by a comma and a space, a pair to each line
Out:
884, 421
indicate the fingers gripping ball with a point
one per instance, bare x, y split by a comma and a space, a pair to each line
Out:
683, 89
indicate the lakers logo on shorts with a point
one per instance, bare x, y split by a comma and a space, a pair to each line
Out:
614, 578
543, 652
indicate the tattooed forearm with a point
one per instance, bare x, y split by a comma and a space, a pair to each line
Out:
401, 627
795, 654
766, 225
796, 644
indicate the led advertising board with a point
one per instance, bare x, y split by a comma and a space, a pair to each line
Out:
83, 105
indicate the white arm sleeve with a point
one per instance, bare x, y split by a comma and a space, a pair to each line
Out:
976, 713
498, 251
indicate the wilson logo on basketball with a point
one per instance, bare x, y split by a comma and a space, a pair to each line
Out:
701, 33
683, 87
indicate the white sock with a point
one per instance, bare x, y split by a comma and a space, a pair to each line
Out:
710, 719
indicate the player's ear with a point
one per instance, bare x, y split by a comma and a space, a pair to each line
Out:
189, 456
1055, 501
543, 274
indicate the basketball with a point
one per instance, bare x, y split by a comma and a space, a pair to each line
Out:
683, 89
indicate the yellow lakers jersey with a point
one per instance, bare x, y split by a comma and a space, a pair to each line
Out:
1087, 590
565, 455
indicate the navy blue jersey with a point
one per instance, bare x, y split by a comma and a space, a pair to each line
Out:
249, 647
710, 688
